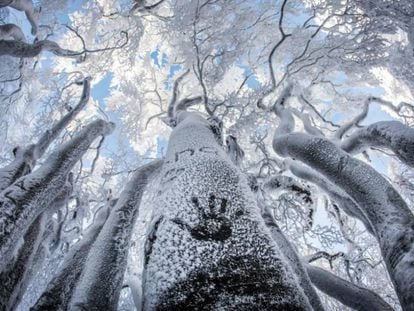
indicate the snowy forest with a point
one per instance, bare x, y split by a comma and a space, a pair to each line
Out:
206, 155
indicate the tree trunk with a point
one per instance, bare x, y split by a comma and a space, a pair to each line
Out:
13, 277
60, 289
30, 195
211, 249
101, 281
388, 214
25, 158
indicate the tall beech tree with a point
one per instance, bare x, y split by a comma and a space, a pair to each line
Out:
262, 158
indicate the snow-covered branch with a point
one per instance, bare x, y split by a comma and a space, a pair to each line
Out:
16, 48
30, 195
351, 295
388, 134
386, 211
11, 31
26, 157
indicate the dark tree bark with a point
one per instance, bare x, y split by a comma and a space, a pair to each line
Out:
30, 195
210, 248
101, 281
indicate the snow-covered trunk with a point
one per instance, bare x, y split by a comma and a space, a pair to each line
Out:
60, 289
12, 279
26, 157
30, 195
32, 252
388, 214
101, 281
21, 165
349, 294
389, 134
291, 254
210, 248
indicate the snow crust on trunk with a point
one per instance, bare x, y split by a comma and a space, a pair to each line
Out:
291, 254
12, 279
389, 134
210, 248
25, 158
21, 165
101, 281
388, 214
60, 289
30, 195
349, 294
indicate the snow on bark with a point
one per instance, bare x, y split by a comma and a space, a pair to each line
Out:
60, 289
389, 134
16, 48
30, 195
27, 7
335, 193
349, 294
17, 276
101, 281
22, 164
234, 151
388, 214
11, 31
210, 248
13, 277
25, 158
291, 254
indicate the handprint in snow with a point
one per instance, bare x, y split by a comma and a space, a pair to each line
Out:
213, 224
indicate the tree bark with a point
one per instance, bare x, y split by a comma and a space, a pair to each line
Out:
210, 248
25, 158
388, 214
60, 289
16, 48
389, 134
348, 294
291, 254
101, 281
30, 195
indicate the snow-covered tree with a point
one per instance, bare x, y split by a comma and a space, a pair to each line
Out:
263, 155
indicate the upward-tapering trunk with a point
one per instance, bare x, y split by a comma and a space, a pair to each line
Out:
25, 157
60, 289
101, 281
210, 249
30, 195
